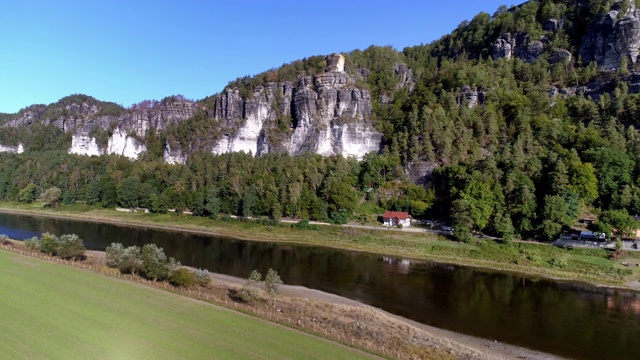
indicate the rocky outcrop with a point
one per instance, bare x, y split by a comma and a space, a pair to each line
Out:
552, 25
560, 56
611, 37
405, 76
82, 120
332, 117
82, 144
517, 45
326, 114
335, 62
471, 96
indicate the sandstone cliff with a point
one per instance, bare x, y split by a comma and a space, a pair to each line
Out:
615, 35
328, 115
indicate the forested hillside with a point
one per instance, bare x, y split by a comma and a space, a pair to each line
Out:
513, 125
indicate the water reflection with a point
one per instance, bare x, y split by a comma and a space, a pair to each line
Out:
570, 319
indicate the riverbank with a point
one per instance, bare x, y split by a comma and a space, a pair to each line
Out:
340, 319
533, 259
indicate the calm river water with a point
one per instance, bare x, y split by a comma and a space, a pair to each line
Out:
568, 319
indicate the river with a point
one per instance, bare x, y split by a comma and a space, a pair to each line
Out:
569, 319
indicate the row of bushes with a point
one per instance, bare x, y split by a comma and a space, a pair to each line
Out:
151, 262
65, 246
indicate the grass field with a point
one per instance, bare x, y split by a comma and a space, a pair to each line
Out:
56, 312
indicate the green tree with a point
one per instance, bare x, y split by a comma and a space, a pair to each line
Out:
27, 194
555, 216
158, 204
479, 200
503, 226
584, 182
49, 243
249, 201
129, 193
212, 203
114, 255
52, 197
93, 193
109, 193
155, 263
272, 284
131, 260
619, 221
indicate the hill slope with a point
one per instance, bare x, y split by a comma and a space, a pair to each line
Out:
515, 123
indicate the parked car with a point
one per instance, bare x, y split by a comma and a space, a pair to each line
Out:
446, 228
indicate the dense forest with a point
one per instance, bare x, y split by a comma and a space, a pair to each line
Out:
521, 160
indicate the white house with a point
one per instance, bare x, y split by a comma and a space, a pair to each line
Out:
394, 218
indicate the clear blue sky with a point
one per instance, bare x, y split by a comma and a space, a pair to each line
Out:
127, 51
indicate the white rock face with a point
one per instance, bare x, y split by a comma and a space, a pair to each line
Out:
357, 140
122, 144
12, 149
119, 144
84, 145
247, 138
173, 157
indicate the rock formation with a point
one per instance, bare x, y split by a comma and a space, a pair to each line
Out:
613, 36
326, 114
517, 45
471, 97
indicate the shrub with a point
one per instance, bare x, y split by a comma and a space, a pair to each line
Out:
183, 277
4, 239
114, 255
70, 247
558, 262
49, 243
203, 277
32, 244
249, 292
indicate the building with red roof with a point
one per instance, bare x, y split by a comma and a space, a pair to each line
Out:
395, 218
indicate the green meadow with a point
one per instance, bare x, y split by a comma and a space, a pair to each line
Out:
57, 312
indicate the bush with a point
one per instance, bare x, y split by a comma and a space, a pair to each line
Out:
114, 255
558, 262
32, 244
70, 247
183, 277
249, 292
202, 276
4, 239
49, 243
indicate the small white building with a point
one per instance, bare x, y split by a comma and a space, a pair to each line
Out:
395, 218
